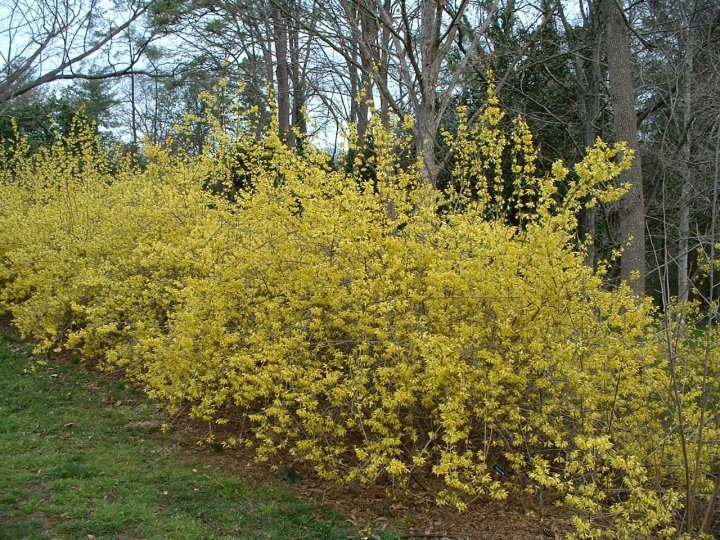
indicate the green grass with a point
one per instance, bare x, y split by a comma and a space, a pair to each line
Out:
81, 455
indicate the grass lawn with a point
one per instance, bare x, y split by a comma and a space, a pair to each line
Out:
82, 456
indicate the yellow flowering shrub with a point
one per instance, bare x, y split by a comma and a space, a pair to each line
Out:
375, 330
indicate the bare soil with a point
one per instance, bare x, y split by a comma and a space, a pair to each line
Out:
373, 508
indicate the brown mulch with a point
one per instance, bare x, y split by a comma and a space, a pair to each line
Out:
374, 508
370, 507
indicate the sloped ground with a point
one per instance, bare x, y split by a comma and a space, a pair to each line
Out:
84, 456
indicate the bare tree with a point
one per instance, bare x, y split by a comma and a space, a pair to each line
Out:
51, 40
622, 100
282, 73
676, 57
585, 46
402, 48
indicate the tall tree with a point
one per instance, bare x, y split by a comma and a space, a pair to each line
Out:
622, 101
280, 27
677, 55
584, 42
46, 41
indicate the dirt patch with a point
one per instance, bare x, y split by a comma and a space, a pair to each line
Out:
370, 508
373, 508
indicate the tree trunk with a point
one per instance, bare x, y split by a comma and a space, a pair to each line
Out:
384, 68
368, 29
133, 114
427, 117
684, 216
590, 129
622, 100
354, 79
588, 79
282, 75
298, 94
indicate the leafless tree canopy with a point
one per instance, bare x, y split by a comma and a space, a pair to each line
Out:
644, 72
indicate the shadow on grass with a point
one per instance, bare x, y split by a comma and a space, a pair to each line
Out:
76, 465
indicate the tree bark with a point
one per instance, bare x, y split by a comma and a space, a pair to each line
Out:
685, 202
368, 30
298, 86
384, 68
282, 75
430, 62
587, 68
622, 100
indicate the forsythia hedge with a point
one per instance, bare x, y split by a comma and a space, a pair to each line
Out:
377, 330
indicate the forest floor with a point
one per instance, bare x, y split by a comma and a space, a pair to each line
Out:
83, 455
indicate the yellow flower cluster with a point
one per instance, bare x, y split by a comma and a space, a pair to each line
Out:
375, 330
